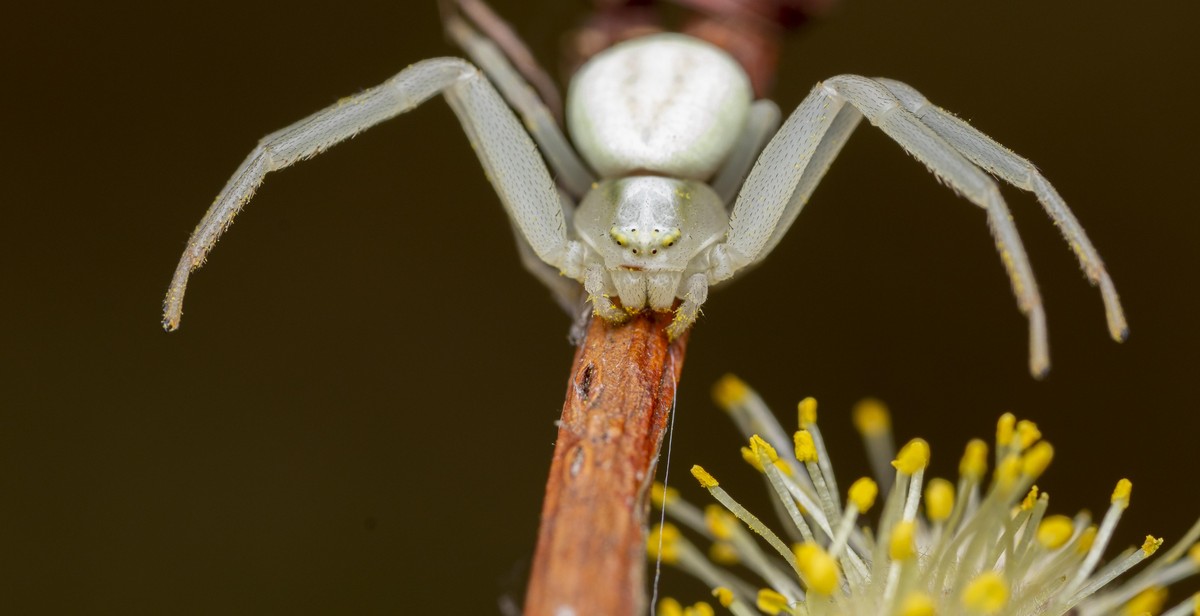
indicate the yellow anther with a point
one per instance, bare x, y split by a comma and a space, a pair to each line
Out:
667, 536
730, 391
1151, 545
807, 410
719, 522
862, 494
1194, 554
1149, 601
1055, 531
751, 455
806, 450
1009, 471
1005, 430
660, 494
706, 480
817, 567
1030, 499
1027, 433
757, 444
772, 602
974, 460
986, 594
752, 459
918, 604
1120, 495
1035, 461
723, 553
724, 596
699, 609
901, 546
1086, 539
939, 499
871, 417
913, 457
670, 607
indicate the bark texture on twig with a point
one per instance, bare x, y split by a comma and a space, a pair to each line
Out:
590, 556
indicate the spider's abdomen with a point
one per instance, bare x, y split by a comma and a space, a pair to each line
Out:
666, 104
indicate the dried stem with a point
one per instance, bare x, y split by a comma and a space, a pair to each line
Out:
590, 556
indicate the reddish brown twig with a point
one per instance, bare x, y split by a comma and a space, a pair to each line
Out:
590, 556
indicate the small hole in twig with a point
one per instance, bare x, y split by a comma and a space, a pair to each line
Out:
585, 381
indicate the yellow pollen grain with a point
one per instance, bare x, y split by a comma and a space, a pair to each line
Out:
757, 444
719, 522
1194, 554
1027, 433
724, 596
914, 456
699, 609
1055, 531
661, 495
817, 567
1151, 545
939, 499
723, 553
918, 604
1086, 539
670, 607
806, 450
1005, 430
1149, 601
871, 417
862, 494
771, 602
706, 480
974, 460
807, 411
901, 546
1120, 495
1035, 461
1030, 499
986, 594
730, 391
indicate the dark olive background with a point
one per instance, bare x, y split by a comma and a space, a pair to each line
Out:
357, 415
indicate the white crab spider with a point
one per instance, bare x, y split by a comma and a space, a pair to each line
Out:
668, 125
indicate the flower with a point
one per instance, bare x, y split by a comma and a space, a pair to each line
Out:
980, 546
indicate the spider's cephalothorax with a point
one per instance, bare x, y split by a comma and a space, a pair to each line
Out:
649, 233
680, 180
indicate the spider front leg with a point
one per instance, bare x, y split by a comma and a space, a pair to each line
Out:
1008, 166
509, 158
793, 163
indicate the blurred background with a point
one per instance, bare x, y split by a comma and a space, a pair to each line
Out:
357, 414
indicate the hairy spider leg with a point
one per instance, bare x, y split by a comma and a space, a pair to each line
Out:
508, 155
